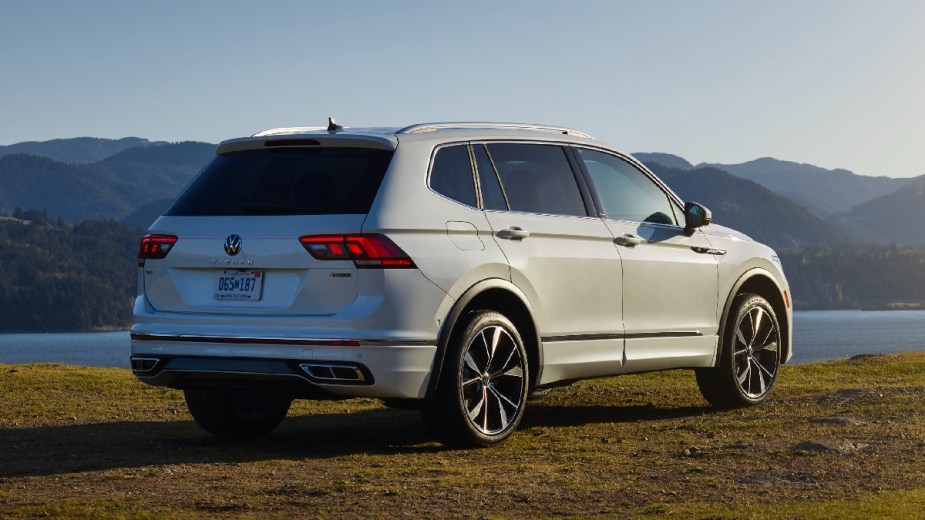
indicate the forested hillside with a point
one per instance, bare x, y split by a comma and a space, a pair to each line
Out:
108, 189
58, 276
856, 277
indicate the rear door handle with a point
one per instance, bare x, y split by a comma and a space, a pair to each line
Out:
628, 240
513, 233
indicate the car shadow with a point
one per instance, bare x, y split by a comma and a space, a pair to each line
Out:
551, 415
51, 450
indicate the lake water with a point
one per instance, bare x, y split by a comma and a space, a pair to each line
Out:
817, 335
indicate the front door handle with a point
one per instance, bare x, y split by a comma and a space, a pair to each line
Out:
627, 240
513, 233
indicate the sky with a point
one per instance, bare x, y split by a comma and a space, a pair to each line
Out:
839, 84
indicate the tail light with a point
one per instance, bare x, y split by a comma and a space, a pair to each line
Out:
154, 247
369, 251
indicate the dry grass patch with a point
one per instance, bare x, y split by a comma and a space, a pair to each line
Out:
834, 439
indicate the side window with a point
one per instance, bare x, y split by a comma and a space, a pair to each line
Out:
492, 196
627, 193
537, 178
451, 174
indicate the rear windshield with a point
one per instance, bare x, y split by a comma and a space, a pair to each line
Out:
290, 181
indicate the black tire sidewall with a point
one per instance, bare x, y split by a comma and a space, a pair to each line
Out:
446, 413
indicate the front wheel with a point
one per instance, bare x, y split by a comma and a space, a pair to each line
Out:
236, 414
750, 356
482, 392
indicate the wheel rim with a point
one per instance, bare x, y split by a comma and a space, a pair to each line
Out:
492, 383
757, 347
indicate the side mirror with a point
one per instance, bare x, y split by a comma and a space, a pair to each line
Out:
695, 216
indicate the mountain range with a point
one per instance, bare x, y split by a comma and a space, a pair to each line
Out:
784, 204
863, 209
110, 188
79, 150
748, 207
897, 216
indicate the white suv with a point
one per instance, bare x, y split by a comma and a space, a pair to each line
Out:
454, 267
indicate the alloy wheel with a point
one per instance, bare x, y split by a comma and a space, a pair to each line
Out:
493, 388
756, 352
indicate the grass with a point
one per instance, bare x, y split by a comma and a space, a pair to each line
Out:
81, 442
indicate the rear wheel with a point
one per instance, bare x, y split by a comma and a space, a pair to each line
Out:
750, 356
482, 392
236, 414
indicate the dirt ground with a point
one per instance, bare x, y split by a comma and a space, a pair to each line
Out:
79, 442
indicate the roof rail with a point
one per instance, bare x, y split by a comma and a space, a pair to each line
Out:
432, 127
289, 130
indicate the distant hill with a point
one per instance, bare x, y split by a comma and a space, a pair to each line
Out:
78, 150
896, 217
112, 188
750, 208
143, 217
665, 159
187, 155
823, 192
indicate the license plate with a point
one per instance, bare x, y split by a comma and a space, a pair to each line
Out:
238, 285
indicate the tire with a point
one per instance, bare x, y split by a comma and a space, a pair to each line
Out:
750, 356
236, 414
482, 393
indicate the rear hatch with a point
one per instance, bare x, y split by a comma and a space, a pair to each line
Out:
230, 243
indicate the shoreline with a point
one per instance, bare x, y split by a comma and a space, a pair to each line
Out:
85, 331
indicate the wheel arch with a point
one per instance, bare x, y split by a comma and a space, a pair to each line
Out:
498, 295
758, 281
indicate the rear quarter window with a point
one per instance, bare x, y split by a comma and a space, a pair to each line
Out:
451, 174
289, 181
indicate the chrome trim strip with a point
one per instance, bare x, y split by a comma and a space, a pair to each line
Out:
582, 337
708, 250
636, 335
666, 334
143, 359
324, 342
306, 367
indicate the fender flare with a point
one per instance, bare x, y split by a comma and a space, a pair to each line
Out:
456, 312
744, 277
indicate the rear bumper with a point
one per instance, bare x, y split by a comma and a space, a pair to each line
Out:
312, 368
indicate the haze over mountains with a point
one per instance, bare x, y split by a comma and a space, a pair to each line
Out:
79, 150
751, 208
784, 204
863, 209
110, 188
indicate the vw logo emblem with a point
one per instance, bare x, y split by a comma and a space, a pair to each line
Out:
233, 245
